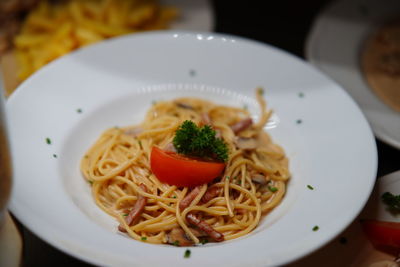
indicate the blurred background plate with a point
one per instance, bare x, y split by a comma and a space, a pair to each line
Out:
334, 45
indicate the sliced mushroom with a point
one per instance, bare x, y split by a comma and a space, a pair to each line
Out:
178, 237
134, 131
246, 143
259, 179
241, 125
170, 147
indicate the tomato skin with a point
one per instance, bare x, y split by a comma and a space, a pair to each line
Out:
174, 169
383, 235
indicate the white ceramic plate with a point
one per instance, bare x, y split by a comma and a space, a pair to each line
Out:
115, 82
334, 46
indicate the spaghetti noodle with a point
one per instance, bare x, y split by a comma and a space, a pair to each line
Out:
232, 205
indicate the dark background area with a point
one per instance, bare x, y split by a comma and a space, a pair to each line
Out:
284, 24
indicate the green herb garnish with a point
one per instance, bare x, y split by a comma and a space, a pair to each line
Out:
90, 182
176, 243
392, 202
54, 156
310, 187
125, 214
195, 141
204, 241
315, 228
272, 189
79, 110
187, 253
48, 141
144, 238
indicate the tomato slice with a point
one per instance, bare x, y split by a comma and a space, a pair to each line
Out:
174, 169
383, 235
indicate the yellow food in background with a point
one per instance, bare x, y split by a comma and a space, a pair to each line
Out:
52, 30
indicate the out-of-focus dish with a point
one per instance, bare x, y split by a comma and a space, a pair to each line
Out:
351, 247
83, 94
336, 44
41, 31
381, 63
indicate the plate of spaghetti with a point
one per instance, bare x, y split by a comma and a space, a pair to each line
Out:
188, 146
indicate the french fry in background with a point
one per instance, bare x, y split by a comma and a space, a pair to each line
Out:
52, 30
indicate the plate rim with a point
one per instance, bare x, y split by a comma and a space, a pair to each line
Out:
310, 51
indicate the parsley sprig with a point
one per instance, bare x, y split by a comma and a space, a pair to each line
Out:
392, 201
195, 141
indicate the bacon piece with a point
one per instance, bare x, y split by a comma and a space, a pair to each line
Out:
205, 119
202, 225
184, 105
137, 209
211, 193
185, 202
241, 125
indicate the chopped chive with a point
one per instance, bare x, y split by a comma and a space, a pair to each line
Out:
310, 187
144, 238
273, 189
90, 182
187, 253
343, 240
140, 143
301, 94
79, 110
192, 73
299, 121
204, 241
54, 156
174, 197
315, 228
176, 243
48, 141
